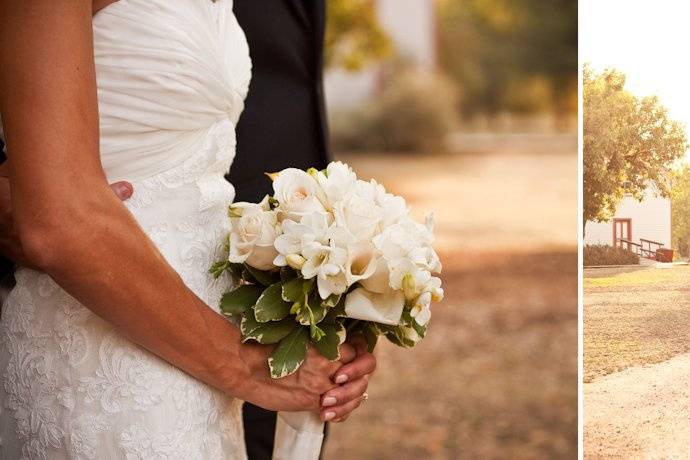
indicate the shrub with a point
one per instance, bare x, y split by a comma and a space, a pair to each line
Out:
601, 254
415, 112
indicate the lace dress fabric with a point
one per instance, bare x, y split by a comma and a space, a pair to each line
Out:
172, 78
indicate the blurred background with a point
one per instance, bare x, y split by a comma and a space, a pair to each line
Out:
468, 108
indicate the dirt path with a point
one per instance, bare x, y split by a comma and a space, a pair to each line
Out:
641, 412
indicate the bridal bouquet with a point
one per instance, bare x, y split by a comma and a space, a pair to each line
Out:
326, 256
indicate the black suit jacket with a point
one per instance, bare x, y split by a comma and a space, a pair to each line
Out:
284, 122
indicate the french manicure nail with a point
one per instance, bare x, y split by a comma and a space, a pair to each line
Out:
328, 416
342, 378
329, 401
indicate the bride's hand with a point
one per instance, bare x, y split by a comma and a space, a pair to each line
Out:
300, 391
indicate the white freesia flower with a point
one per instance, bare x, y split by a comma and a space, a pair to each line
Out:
434, 287
311, 228
252, 236
327, 264
421, 309
297, 193
338, 180
369, 306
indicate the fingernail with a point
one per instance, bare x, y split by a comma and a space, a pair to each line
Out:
328, 416
342, 378
329, 401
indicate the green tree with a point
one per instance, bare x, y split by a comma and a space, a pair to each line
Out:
680, 209
354, 36
497, 49
629, 144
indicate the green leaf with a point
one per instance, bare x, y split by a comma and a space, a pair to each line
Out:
334, 336
292, 290
311, 313
397, 336
336, 312
331, 301
236, 270
239, 299
218, 268
289, 354
270, 306
266, 278
265, 333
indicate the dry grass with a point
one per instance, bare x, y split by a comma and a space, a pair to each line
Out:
495, 378
634, 317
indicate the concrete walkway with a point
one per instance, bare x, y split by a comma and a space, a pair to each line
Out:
641, 412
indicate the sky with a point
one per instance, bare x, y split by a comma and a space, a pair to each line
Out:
648, 40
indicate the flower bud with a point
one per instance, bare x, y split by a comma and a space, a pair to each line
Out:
295, 261
437, 294
409, 286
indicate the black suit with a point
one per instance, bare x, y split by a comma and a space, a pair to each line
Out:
283, 123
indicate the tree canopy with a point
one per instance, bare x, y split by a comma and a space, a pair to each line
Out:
629, 144
680, 209
512, 55
354, 36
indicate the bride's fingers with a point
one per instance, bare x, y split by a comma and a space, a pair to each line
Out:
363, 364
340, 412
347, 353
345, 393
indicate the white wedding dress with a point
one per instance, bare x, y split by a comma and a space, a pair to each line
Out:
172, 78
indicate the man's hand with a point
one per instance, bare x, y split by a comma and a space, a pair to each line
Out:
10, 246
353, 377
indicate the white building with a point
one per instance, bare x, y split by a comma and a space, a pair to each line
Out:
411, 26
649, 219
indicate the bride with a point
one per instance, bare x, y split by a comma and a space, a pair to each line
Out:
112, 347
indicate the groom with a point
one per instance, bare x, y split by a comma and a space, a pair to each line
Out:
283, 125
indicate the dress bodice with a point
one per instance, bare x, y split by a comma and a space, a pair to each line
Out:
168, 73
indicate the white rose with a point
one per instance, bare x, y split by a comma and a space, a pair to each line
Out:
358, 212
383, 308
252, 236
297, 193
338, 180
394, 207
